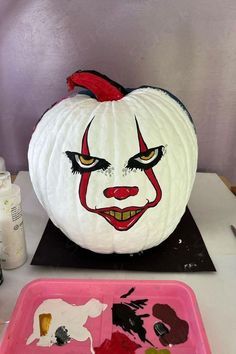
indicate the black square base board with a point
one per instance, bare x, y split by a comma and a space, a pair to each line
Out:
183, 251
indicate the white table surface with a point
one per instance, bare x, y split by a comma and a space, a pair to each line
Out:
213, 207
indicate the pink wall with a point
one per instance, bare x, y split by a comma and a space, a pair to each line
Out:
187, 47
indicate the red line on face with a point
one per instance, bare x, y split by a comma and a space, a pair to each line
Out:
85, 147
149, 173
86, 175
142, 145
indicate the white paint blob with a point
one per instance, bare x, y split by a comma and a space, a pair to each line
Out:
72, 317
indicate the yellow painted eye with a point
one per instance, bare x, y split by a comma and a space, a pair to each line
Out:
87, 161
147, 156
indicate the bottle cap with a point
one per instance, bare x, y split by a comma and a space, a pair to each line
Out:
5, 182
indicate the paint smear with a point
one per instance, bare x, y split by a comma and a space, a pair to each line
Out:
56, 322
119, 344
179, 328
128, 293
124, 315
155, 351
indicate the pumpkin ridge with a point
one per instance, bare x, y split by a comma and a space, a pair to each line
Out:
173, 97
178, 132
37, 139
164, 113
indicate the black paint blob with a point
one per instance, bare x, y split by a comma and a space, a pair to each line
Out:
160, 329
128, 293
124, 316
62, 336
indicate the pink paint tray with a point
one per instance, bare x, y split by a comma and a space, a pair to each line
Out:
105, 317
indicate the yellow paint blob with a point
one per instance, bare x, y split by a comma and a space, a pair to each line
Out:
155, 351
44, 323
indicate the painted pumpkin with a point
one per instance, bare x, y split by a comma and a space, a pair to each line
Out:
114, 170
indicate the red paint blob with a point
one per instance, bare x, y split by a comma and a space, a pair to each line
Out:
178, 328
120, 192
119, 344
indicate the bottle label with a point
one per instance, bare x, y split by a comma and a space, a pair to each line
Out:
16, 213
12, 238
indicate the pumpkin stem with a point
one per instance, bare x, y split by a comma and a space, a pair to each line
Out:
100, 85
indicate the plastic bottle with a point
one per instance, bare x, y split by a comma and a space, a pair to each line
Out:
1, 275
2, 168
12, 237
2, 164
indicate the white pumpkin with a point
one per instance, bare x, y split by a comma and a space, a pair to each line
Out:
114, 172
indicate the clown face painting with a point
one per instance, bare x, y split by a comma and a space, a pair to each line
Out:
123, 218
114, 172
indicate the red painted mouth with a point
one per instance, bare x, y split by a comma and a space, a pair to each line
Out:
122, 219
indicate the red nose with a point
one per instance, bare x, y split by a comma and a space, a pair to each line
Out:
120, 192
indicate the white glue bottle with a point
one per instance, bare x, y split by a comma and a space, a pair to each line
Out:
12, 237
2, 164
